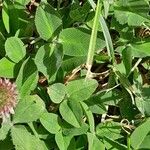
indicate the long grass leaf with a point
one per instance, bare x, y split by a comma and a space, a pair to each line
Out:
108, 39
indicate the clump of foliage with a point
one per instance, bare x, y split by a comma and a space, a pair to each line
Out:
81, 68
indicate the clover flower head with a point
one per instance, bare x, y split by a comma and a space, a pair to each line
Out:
8, 98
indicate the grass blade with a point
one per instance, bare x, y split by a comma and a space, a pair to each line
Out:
108, 40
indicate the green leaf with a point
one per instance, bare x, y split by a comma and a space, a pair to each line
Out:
71, 36
29, 109
27, 77
63, 142
70, 63
94, 143
22, 2
132, 12
2, 43
89, 117
145, 144
98, 108
5, 127
7, 68
79, 13
121, 68
50, 122
68, 114
144, 100
24, 140
15, 49
127, 60
14, 18
60, 140
76, 109
139, 134
19, 19
104, 97
47, 21
125, 82
109, 129
84, 90
57, 92
5, 15
81, 142
127, 109
72, 131
48, 59
114, 145
140, 49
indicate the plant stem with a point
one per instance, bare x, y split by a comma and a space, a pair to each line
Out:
93, 38
33, 130
128, 142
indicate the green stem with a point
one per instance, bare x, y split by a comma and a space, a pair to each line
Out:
33, 130
93, 38
128, 142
